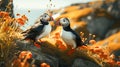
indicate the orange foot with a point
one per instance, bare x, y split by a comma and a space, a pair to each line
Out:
37, 44
71, 51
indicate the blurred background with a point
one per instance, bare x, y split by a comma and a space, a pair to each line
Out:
96, 21
38, 7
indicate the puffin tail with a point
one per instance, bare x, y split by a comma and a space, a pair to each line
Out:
83, 44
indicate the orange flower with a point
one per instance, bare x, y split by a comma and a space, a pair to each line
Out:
110, 61
97, 50
83, 47
29, 55
60, 45
22, 54
18, 14
70, 52
22, 60
118, 62
20, 21
17, 63
24, 18
96, 47
25, 54
57, 35
92, 41
37, 45
4, 14
59, 42
91, 49
6, 28
44, 65
104, 56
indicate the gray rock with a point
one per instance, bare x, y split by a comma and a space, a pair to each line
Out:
99, 26
117, 54
2, 64
84, 63
113, 8
111, 32
38, 56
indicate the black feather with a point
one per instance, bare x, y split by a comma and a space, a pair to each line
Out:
77, 37
34, 31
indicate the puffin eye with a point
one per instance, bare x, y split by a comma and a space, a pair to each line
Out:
63, 20
45, 16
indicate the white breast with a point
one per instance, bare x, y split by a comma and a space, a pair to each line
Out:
47, 29
68, 38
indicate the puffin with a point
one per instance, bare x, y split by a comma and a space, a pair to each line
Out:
69, 36
39, 29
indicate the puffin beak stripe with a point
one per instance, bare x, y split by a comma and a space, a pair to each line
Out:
57, 23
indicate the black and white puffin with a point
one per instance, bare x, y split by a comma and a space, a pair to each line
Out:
69, 36
39, 29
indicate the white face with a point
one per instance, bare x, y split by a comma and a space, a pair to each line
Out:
45, 17
64, 22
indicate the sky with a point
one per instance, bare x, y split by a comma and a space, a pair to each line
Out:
37, 7
42, 4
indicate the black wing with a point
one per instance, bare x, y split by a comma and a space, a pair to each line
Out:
32, 27
33, 32
77, 39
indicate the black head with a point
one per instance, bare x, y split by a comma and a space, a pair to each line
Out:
64, 22
46, 17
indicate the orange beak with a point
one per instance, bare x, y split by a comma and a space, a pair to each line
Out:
57, 23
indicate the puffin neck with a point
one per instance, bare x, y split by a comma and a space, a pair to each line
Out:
44, 22
67, 28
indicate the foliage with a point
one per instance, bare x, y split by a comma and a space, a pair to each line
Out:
9, 33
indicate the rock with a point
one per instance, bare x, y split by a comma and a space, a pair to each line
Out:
117, 54
45, 58
84, 63
37, 54
113, 8
2, 64
53, 57
99, 26
111, 32
104, 19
